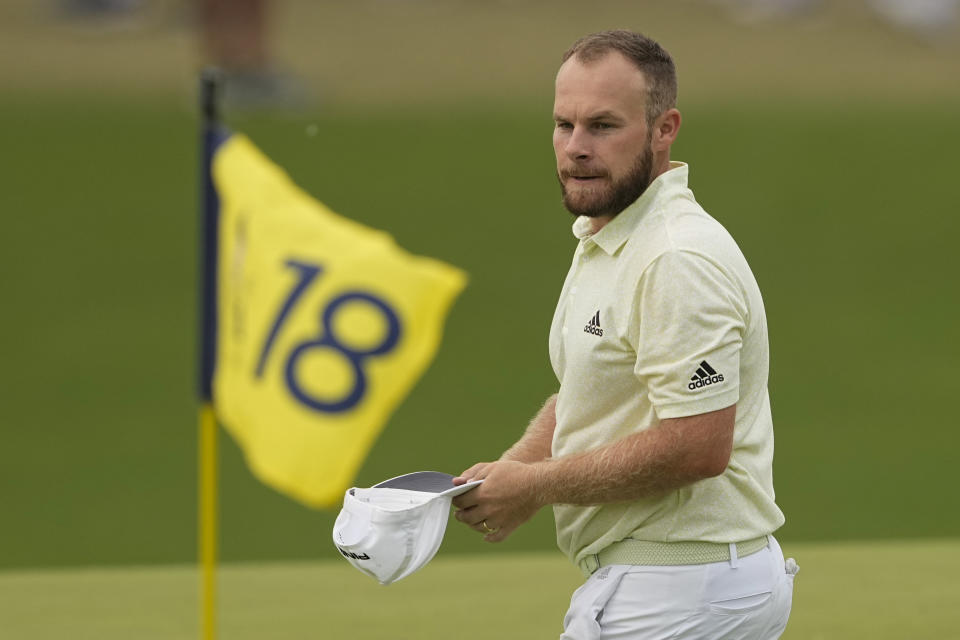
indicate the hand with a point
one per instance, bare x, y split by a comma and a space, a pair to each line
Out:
508, 497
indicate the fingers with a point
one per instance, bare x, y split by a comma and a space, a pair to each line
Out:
498, 535
471, 517
475, 519
467, 500
476, 472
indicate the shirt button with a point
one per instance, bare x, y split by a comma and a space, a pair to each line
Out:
573, 289
564, 330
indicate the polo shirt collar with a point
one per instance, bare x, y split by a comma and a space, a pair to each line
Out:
612, 236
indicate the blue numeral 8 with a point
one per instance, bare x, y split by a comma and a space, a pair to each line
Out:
328, 340
308, 273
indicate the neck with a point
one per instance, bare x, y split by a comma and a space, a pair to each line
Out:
661, 164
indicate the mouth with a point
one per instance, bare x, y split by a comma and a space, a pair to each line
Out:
583, 179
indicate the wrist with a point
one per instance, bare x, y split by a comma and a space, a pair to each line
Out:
541, 483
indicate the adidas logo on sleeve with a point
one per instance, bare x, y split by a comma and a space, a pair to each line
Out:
704, 377
594, 325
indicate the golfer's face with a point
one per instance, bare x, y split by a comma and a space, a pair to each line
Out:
600, 127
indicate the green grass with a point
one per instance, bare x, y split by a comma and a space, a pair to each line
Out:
845, 213
847, 591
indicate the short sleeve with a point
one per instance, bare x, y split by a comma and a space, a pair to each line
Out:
687, 330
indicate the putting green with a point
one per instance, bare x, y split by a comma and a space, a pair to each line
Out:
876, 590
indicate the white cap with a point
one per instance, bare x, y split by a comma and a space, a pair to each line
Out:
395, 528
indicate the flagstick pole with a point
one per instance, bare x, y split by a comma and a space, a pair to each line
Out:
207, 458
207, 538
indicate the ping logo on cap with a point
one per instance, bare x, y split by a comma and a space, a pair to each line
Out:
354, 556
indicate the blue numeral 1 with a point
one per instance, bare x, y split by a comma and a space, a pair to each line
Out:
308, 273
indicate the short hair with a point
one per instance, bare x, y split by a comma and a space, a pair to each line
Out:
648, 56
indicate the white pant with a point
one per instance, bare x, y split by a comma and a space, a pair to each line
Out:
740, 599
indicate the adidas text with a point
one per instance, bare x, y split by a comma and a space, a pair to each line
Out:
704, 376
705, 382
594, 325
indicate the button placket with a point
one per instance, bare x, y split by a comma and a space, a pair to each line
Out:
571, 294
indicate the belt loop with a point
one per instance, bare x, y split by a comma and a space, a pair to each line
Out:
733, 555
590, 564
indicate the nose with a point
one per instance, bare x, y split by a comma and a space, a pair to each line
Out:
577, 145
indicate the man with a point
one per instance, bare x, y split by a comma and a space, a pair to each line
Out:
657, 451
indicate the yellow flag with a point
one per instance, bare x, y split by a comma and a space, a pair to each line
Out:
324, 325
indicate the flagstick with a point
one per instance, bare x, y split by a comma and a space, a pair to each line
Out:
207, 539
207, 521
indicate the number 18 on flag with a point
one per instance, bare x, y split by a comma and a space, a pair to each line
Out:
323, 327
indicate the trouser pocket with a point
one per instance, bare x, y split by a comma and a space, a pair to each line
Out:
742, 602
582, 621
784, 598
741, 605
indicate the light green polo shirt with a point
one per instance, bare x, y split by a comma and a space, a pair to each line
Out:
661, 317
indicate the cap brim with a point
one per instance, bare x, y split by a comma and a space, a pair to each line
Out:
429, 482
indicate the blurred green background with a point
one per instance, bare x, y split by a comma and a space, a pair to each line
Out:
824, 142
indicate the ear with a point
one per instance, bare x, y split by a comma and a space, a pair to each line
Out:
665, 130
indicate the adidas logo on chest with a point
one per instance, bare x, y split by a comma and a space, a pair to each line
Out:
594, 325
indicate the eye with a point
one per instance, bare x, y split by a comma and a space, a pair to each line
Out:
602, 125
564, 125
